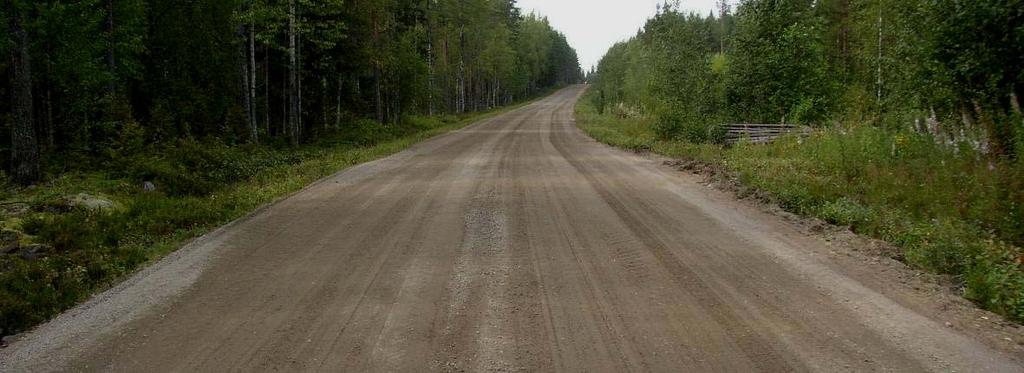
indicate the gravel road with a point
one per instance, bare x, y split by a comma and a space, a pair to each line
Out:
516, 244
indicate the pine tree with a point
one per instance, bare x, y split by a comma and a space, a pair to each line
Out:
24, 149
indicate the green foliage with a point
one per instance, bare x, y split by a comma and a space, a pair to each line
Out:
166, 71
947, 210
779, 72
932, 160
689, 126
997, 279
200, 185
200, 168
165, 91
891, 63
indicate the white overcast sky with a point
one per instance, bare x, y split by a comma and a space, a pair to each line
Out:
592, 26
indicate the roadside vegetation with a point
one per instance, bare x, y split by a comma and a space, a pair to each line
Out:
138, 124
918, 133
84, 230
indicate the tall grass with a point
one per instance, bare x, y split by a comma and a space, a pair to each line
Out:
948, 209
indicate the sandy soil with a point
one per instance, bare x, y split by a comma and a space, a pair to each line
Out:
519, 244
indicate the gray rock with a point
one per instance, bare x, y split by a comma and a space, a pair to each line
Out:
9, 241
15, 209
7, 340
34, 251
89, 202
148, 187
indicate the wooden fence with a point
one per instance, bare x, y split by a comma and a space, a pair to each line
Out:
760, 133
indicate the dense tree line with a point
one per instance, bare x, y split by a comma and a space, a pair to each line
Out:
952, 69
90, 78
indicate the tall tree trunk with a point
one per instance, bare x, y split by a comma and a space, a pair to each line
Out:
50, 130
285, 128
300, 127
111, 63
879, 83
378, 99
337, 106
723, 9
253, 112
430, 60
24, 149
49, 127
293, 101
323, 103
1014, 103
245, 84
461, 103
266, 90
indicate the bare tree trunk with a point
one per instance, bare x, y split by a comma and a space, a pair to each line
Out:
1014, 102
323, 103
49, 127
300, 127
461, 105
723, 10
245, 85
266, 90
24, 149
450, 101
111, 62
285, 128
293, 104
378, 100
48, 135
253, 112
879, 83
430, 60
337, 106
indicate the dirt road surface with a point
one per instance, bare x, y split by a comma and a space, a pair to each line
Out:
516, 244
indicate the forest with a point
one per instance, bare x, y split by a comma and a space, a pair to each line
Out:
87, 78
918, 136
136, 125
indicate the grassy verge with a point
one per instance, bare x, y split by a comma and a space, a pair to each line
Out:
947, 209
58, 251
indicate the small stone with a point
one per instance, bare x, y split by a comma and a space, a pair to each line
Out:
149, 187
949, 324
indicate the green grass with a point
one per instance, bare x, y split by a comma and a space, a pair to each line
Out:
201, 185
948, 210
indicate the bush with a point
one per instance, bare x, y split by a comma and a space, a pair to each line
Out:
191, 168
844, 211
996, 280
679, 125
948, 209
201, 184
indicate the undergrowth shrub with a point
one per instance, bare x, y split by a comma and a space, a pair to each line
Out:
200, 185
947, 208
688, 126
193, 168
996, 280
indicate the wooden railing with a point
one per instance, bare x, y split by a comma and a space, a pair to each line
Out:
760, 133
